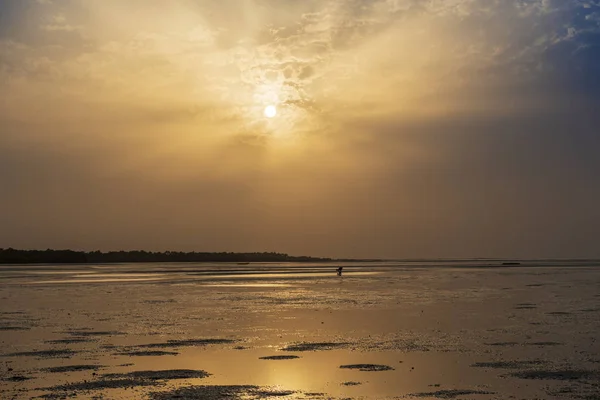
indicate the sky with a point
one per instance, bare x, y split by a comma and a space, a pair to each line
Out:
403, 128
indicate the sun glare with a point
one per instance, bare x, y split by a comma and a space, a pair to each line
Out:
270, 111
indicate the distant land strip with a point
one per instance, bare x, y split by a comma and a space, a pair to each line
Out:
13, 256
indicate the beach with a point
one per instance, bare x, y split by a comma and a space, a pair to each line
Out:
382, 330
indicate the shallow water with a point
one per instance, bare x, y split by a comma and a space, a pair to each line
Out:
458, 329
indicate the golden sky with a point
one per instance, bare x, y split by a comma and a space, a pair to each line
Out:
404, 128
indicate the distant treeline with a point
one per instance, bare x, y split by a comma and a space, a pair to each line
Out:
12, 256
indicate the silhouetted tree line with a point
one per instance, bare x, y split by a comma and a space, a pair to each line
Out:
12, 256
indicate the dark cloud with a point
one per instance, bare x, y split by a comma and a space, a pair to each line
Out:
14, 16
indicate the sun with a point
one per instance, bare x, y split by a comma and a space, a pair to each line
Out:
270, 111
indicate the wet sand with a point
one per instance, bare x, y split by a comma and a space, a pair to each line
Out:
462, 330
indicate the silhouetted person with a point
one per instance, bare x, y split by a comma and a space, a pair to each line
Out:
339, 271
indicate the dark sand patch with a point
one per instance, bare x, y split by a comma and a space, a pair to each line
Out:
404, 345
590, 310
351, 383
263, 393
161, 375
17, 378
44, 354
286, 357
154, 353
506, 364
238, 392
449, 394
86, 333
101, 385
14, 328
159, 301
561, 375
590, 392
70, 341
502, 344
205, 392
563, 390
73, 368
535, 285
129, 380
368, 367
559, 313
525, 307
319, 346
543, 344
187, 343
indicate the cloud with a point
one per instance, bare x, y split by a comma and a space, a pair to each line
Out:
58, 22
404, 128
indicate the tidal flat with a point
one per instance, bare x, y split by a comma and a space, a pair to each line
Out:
383, 330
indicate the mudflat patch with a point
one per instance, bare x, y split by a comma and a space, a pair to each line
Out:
159, 301
449, 394
63, 353
129, 380
73, 368
544, 344
17, 378
318, 346
233, 392
283, 357
100, 384
560, 375
368, 367
506, 364
149, 353
13, 328
187, 343
502, 344
86, 333
161, 375
396, 344
71, 341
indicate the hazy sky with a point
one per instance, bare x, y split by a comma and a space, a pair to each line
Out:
404, 128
